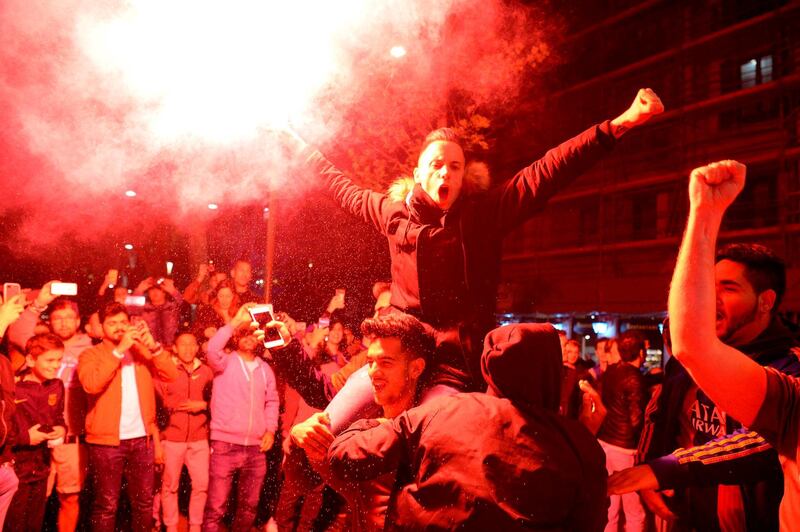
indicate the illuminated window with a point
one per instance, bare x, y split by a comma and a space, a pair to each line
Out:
755, 72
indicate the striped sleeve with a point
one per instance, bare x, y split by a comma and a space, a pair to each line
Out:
742, 456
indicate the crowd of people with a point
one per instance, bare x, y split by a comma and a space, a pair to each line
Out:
428, 416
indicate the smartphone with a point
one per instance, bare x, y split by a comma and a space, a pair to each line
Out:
263, 315
64, 289
135, 301
324, 323
10, 290
113, 277
340, 291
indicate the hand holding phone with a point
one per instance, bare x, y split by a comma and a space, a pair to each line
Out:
64, 289
262, 314
10, 290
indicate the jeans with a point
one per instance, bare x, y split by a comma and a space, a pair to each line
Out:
8, 487
618, 459
26, 513
132, 459
195, 455
226, 460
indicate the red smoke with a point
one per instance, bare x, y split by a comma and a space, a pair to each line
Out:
175, 99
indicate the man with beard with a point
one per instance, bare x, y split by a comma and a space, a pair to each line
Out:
69, 459
445, 246
117, 376
725, 476
244, 418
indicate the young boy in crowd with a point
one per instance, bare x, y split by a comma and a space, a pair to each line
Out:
39, 420
185, 439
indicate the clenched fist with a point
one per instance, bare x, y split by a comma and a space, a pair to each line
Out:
714, 186
646, 105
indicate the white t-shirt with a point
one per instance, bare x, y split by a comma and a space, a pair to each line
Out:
131, 424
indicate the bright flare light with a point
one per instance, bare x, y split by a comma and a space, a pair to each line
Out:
220, 70
213, 206
397, 52
129, 247
130, 193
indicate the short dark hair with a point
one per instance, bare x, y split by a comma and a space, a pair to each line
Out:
573, 342
443, 133
185, 332
631, 344
42, 343
61, 303
112, 309
764, 269
240, 260
414, 339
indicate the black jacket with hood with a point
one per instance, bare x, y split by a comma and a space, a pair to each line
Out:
445, 266
501, 460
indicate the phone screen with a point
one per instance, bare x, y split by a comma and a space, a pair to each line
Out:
261, 314
135, 301
10, 290
64, 289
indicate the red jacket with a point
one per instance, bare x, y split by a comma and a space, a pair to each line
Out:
100, 375
195, 385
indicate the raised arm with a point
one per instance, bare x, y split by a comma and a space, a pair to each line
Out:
363, 203
730, 378
528, 191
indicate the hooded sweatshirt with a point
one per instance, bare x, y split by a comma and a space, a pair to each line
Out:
244, 404
504, 460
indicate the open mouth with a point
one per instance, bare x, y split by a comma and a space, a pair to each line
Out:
378, 385
444, 192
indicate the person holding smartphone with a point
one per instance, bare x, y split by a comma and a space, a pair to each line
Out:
40, 425
244, 418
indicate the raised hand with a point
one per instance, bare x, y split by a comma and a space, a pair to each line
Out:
646, 105
11, 309
45, 296
716, 185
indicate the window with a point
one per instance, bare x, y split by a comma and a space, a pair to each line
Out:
755, 72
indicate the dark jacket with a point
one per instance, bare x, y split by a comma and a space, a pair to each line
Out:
751, 464
41, 403
624, 397
195, 385
446, 265
504, 460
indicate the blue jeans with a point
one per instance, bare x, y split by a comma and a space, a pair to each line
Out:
132, 459
226, 460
